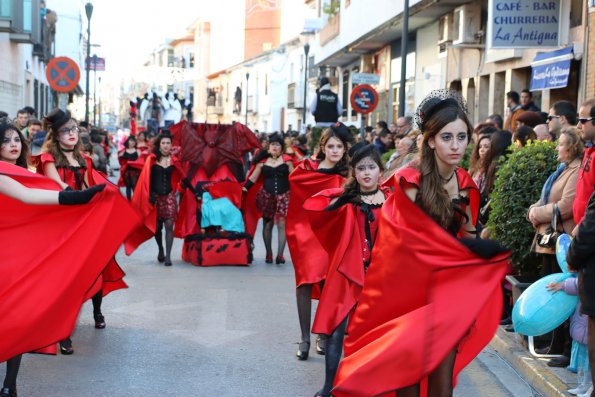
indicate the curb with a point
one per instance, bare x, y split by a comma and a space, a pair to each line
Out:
533, 370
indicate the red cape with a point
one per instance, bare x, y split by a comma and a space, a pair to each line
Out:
51, 257
310, 260
113, 276
249, 210
125, 164
339, 235
146, 210
425, 294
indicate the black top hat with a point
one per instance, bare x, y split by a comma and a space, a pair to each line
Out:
57, 118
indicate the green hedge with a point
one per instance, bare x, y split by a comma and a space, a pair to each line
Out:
518, 184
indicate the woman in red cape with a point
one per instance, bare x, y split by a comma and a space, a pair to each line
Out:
269, 177
131, 163
62, 160
432, 299
155, 199
310, 260
46, 277
346, 223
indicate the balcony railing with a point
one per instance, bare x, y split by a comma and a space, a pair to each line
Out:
331, 29
250, 104
295, 95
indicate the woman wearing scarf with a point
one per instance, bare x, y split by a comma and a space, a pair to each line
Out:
558, 192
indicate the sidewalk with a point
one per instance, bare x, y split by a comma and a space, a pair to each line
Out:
548, 381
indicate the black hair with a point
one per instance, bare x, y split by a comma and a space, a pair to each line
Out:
22, 159
496, 118
514, 96
566, 109
157, 144
130, 138
382, 124
499, 146
524, 134
526, 91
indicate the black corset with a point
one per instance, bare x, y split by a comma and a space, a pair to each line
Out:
276, 179
161, 179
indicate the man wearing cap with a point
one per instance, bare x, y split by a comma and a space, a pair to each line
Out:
326, 106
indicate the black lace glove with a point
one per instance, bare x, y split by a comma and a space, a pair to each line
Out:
73, 197
152, 198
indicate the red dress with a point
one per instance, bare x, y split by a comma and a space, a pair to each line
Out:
342, 233
112, 278
310, 260
425, 295
52, 257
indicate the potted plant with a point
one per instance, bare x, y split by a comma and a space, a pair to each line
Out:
518, 184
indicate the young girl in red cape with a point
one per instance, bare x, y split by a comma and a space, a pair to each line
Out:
62, 160
432, 298
155, 198
270, 177
346, 223
44, 282
310, 260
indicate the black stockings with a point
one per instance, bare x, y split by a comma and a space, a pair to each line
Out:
439, 381
304, 304
334, 350
97, 299
12, 370
130, 182
267, 236
169, 237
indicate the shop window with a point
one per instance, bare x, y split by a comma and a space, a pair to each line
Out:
576, 13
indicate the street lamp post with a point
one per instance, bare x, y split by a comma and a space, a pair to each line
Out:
99, 103
247, 78
404, 44
306, 51
89, 12
94, 89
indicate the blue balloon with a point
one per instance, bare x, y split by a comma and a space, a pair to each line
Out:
539, 311
561, 249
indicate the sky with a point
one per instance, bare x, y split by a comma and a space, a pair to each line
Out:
128, 30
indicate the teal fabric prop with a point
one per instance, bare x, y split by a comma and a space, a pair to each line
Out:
221, 212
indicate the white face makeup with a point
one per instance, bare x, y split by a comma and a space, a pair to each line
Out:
450, 143
334, 150
11, 146
367, 174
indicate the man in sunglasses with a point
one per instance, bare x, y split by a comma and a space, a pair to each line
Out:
586, 174
562, 114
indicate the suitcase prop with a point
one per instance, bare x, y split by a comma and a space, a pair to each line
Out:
218, 249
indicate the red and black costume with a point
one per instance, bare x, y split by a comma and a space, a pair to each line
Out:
426, 294
155, 199
310, 260
53, 261
131, 165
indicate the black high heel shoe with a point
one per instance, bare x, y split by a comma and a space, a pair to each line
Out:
99, 321
268, 259
303, 351
66, 347
161, 257
168, 263
279, 260
8, 392
320, 393
321, 345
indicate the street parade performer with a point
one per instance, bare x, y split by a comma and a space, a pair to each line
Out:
45, 284
270, 175
345, 222
155, 198
131, 163
310, 260
62, 160
432, 298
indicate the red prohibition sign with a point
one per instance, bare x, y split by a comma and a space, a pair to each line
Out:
364, 99
63, 74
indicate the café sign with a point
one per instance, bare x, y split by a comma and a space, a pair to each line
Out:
524, 23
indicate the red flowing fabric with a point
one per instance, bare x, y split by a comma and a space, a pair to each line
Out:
249, 209
146, 210
339, 235
310, 260
113, 277
51, 257
425, 295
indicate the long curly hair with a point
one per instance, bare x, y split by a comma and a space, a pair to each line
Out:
433, 198
52, 146
5, 127
341, 133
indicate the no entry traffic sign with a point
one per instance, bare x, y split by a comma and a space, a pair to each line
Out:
364, 99
63, 74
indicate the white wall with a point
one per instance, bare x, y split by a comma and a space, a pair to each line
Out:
428, 72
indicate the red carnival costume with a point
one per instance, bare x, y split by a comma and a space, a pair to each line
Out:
425, 295
342, 234
146, 210
52, 259
310, 260
128, 165
113, 276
